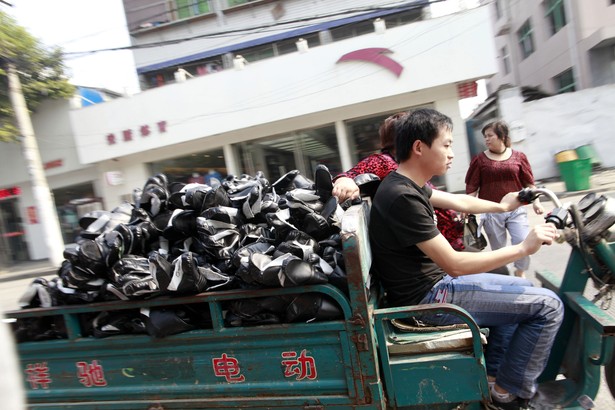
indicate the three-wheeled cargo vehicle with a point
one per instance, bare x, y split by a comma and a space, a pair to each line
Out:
366, 360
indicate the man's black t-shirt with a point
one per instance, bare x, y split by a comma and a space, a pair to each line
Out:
402, 216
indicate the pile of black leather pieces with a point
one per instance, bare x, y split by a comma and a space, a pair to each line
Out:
183, 239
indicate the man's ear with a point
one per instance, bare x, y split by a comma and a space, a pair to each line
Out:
417, 147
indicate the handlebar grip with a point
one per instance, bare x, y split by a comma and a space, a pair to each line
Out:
558, 217
527, 195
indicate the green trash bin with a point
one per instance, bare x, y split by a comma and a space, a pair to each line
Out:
588, 151
576, 173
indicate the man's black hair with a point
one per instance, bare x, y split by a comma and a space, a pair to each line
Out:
423, 124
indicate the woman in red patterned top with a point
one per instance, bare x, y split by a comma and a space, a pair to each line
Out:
383, 163
492, 174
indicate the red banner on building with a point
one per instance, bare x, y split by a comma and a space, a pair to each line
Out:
467, 89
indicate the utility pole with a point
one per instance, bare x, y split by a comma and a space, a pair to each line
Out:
42, 194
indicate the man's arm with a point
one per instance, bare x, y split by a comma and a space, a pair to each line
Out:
470, 204
465, 263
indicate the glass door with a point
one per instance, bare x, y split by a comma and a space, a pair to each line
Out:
12, 244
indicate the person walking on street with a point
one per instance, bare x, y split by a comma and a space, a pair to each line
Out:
491, 175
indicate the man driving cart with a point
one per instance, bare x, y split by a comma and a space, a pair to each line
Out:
416, 264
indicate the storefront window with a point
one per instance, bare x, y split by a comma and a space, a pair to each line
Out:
363, 137
364, 140
195, 168
13, 247
72, 203
302, 150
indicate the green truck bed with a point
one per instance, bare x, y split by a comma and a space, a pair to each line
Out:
318, 365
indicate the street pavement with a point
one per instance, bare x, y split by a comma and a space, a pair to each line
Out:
15, 279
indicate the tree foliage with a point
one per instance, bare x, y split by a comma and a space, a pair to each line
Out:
41, 72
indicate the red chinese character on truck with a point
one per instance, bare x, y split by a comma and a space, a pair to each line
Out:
38, 375
227, 367
91, 374
303, 367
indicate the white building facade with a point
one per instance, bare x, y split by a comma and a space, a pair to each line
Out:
554, 45
293, 111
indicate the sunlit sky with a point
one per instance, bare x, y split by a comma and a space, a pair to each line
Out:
86, 25
83, 25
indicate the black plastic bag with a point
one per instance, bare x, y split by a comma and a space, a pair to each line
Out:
472, 236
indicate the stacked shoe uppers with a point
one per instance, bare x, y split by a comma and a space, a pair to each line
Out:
183, 239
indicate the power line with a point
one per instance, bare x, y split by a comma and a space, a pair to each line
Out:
271, 98
306, 23
299, 92
153, 16
261, 28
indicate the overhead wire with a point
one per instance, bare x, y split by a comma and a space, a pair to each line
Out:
176, 121
261, 28
308, 85
274, 95
316, 78
295, 95
297, 88
308, 81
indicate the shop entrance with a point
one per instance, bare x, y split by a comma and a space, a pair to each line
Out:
72, 202
13, 247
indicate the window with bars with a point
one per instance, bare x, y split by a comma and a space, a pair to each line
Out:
555, 14
526, 39
191, 8
188, 8
352, 30
498, 9
505, 59
232, 3
564, 82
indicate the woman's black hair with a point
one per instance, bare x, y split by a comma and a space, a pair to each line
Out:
386, 132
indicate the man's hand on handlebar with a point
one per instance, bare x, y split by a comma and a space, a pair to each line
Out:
543, 234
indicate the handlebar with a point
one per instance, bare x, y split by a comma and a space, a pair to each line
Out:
528, 195
559, 215
585, 234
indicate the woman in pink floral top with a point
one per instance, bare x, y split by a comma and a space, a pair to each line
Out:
382, 164
492, 174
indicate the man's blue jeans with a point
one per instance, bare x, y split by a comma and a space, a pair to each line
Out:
522, 320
